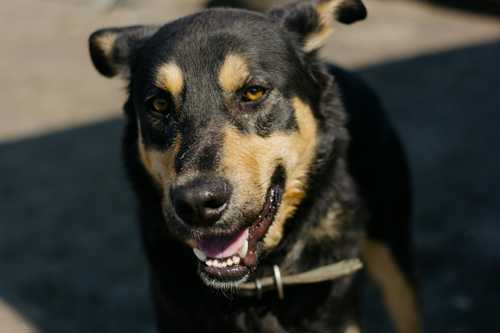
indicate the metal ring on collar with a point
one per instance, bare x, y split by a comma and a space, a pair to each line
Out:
278, 282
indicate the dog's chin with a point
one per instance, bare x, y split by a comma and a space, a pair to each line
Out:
227, 261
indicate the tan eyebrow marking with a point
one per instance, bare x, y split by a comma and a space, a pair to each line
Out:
170, 77
233, 73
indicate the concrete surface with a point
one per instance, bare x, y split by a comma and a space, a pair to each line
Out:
70, 257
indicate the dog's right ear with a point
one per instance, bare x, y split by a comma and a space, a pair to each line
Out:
112, 49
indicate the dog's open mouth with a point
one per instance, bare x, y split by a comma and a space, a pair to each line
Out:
228, 260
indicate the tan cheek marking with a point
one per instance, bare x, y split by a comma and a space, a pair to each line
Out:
300, 153
233, 73
250, 160
170, 77
159, 164
240, 162
399, 296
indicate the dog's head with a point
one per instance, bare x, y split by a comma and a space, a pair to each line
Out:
225, 102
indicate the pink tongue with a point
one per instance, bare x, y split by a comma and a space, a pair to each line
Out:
222, 247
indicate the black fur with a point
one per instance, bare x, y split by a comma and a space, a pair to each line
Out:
359, 166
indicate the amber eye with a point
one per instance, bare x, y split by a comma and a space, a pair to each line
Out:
159, 104
253, 94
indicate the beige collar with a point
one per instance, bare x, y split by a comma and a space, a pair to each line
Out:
277, 281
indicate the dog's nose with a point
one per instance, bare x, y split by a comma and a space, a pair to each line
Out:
202, 201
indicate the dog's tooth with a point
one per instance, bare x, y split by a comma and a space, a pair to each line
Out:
224, 264
236, 260
209, 262
199, 254
229, 262
244, 249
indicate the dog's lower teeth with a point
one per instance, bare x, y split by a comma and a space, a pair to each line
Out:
222, 263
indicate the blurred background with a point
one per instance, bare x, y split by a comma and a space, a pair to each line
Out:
70, 257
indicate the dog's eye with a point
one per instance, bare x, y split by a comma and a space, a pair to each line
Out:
159, 104
253, 94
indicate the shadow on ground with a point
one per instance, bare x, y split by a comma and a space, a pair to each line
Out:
70, 257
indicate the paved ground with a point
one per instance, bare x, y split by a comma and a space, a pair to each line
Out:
70, 259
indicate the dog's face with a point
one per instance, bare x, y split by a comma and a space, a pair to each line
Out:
224, 104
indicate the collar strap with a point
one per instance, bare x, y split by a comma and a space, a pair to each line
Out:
277, 281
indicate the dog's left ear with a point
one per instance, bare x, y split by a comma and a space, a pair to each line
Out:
313, 20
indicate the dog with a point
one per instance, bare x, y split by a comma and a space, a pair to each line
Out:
252, 159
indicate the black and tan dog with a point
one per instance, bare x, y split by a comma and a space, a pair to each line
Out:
248, 151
